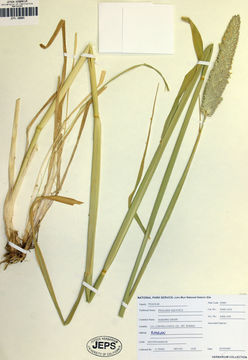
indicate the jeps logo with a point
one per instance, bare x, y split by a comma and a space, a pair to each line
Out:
104, 346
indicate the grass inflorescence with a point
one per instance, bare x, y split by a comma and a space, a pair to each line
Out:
51, 176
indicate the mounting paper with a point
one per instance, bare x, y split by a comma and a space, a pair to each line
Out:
136, 28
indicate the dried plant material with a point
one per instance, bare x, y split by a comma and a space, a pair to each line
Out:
91, 240
54, 182
73, 64
220, 73
196, 36
38, 253
95, 177
137, 275
190, 77
171, 121
134, 278
102, 78
132, 284
8, 204
192, 82
12, 154
12, 255
142, 164
51, 176
59, 103
52, 97
85, 114
60, 27
163, 224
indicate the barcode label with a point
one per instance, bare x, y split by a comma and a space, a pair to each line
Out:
16, 12
19, 12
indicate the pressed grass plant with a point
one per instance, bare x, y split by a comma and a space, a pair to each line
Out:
191, 87
185, 91
52, 174
213, 91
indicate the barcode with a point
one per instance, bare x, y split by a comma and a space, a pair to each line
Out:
19, 12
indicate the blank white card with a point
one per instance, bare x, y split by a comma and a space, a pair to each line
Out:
139, 28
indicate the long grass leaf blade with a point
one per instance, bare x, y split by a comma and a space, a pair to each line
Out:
142, 164
95, 177
186, 82
144, 184
62, 199
38, 253
166, 217
166, 178
60, 26
196, 36
12, 154
8, 209
85, 114
47, 279
198, 45
46, 118
52, 97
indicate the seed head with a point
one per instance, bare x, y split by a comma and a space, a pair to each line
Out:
218, 77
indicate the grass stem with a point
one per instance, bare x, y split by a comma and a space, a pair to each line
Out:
179, 105
166, 177
95, 177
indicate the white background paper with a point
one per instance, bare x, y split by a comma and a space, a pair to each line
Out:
136, 28
204, 248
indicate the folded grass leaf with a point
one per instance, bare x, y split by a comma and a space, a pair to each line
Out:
196, 36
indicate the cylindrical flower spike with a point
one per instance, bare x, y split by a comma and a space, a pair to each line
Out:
220, 73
